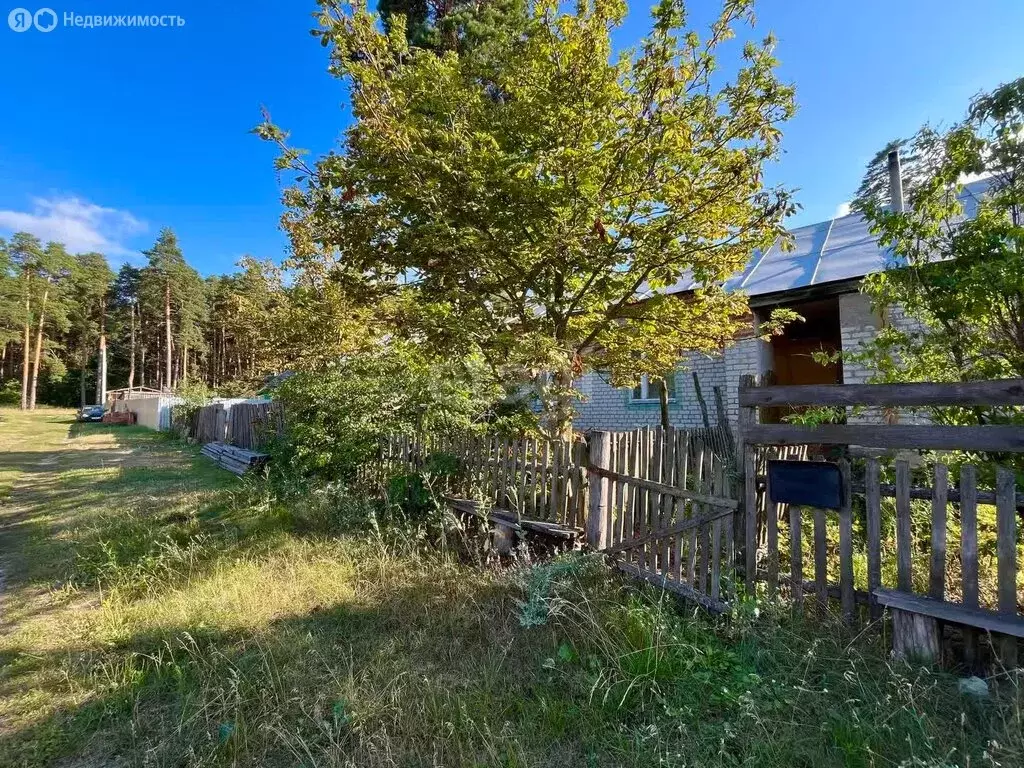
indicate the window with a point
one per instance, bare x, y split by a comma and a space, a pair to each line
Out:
650, 390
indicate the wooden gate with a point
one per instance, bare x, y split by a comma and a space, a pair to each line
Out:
910, 566
660, 505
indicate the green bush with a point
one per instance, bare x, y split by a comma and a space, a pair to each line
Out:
10, 393
336, 418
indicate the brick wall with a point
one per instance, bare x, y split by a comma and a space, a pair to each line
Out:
612, 408
859, 324
607, 407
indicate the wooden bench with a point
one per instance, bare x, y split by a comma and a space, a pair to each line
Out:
916, 618
508, 523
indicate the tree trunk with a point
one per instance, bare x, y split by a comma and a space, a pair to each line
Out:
101, 364
131, 353
167, 334
561, 414
184, 364
39, 352
81, 380
663, 403
142, 366
26, 351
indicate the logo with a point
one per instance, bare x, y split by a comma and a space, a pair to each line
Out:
45, 20
20, 20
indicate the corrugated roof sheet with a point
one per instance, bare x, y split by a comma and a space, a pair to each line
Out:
839, 249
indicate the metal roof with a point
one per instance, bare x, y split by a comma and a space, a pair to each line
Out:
839, 249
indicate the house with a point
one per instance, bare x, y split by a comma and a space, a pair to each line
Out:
820, 279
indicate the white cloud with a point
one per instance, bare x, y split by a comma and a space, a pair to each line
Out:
843, 209
82, 226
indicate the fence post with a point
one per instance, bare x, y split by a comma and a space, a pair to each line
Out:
748, 474
597, 520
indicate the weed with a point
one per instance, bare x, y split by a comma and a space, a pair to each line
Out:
159, 612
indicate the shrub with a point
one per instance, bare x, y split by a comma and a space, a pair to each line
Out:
336, 418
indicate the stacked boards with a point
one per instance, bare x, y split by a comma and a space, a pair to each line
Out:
234, 459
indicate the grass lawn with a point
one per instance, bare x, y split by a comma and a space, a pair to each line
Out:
157, 611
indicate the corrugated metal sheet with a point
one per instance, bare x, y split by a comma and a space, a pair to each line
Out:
839, 249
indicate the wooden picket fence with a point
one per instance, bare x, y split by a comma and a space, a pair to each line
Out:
252, 425
657, 501
536, 479
663, 506
819, 556
244, 425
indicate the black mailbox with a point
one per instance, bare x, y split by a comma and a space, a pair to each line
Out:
805, 484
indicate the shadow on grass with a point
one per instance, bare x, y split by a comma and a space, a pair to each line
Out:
323, 684
435, 673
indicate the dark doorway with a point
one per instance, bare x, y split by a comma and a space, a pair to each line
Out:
799, 354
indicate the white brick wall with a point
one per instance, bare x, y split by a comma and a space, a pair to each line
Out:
612, 408
607, 407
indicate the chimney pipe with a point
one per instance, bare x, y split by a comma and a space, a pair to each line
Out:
895, 182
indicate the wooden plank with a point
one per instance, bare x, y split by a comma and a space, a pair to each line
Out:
796, 549
969, 554
682, 511
697, 457
643, 492
904, 578
1004, 392
555, 506
846, 585
621, 500
772, 521
716, 559
1006, 546
747, 422
543, 495
580, 462
710, 500
630, 529
704, 532
668, 465
873, 505
820, 558
750, 515
705, 601
681, 526
984, 438
956, 614
937, 574
925, 494
597, 518
654, 497
534, 470
521, 458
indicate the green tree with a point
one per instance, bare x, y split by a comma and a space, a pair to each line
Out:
962, 281
49, 292
87, 318
173, 294
10, 311
125, 314
535, 193
449, 25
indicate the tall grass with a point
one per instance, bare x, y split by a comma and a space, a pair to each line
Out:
166, 615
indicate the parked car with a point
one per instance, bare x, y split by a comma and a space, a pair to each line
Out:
91, 413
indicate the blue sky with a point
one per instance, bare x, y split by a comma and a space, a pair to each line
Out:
110, 134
